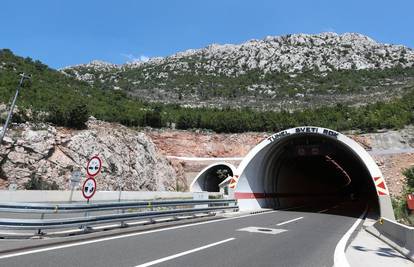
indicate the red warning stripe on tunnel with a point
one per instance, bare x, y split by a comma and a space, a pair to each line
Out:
250, 195
245, 195
380, 185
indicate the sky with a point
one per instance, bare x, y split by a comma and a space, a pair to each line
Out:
62, 33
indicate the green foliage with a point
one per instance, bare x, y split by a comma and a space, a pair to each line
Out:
69, 102
209, 85
409, 175
78, 116
400, 208
400, 204
36, 183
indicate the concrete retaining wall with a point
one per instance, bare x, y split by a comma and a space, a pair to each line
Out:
397, 235
64, 196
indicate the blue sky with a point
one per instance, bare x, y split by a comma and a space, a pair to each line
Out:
61, 33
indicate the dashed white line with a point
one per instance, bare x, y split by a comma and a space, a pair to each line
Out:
286, 222
323, 210
184, 253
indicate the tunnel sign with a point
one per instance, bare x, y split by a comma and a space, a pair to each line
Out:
94, 166
380, 185
89, 188
233, 182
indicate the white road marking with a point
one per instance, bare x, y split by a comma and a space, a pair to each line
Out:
286, 222
323, 210
81, 243
184, 253
339, 255
262, 230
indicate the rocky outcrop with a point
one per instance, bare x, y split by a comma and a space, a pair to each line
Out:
50, 153
290, 53
277, 73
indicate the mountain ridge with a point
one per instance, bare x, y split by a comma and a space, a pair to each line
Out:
273, 73
353, 41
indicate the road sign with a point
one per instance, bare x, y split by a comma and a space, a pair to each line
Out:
233, 181
89, 188
75, 178
13, 187
380, 185
94, 166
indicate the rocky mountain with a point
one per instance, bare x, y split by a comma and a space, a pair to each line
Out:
282, 72
40, 155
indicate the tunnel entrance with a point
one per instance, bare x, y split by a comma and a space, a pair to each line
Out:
208, 179
310, 166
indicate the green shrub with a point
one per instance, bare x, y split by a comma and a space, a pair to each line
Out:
77, 117
401, 212
36, 183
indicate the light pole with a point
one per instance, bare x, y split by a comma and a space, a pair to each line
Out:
3, 133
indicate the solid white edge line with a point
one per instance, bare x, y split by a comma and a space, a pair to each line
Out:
339, 254
16, 254
184, 253
286, 222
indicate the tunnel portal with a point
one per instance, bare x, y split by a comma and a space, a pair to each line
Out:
208, 179
310, 165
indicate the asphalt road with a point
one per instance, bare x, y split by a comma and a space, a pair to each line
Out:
287, 238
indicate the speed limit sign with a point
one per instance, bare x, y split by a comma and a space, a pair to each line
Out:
89, 188
94, 166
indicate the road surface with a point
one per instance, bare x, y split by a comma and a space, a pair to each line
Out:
276, 238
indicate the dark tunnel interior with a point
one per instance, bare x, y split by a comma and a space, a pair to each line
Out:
315, 170
214, 176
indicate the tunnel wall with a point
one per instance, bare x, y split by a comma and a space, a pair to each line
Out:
250, 189
197, 185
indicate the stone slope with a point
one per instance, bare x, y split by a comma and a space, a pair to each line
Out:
40, 150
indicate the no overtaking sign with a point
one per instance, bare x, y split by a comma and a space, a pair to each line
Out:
89, 188
94, 166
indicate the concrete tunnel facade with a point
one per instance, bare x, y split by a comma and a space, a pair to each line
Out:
207, 179
309, 164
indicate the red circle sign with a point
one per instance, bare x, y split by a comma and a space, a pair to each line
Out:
89, 188
94, 166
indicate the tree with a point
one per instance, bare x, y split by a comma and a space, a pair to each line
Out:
78, 116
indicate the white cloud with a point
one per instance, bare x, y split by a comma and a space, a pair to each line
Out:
328, 29
132, 58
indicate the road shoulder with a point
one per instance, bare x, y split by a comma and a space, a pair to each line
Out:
366, 250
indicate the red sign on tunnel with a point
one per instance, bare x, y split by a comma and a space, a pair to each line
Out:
380, 185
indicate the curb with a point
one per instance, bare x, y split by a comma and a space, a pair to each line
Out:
405, 252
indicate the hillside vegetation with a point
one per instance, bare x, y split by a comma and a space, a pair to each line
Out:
277, 73
55, 97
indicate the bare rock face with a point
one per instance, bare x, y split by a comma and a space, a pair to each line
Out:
129, 157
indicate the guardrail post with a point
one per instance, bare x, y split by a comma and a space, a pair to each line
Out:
39, 231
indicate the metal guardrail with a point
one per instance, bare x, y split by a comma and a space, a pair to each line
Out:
397, 235
88, 220
71, 208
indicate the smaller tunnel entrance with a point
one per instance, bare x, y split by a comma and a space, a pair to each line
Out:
208, 179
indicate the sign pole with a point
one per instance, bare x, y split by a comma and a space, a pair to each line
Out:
74, 182
6, 124
71, 193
